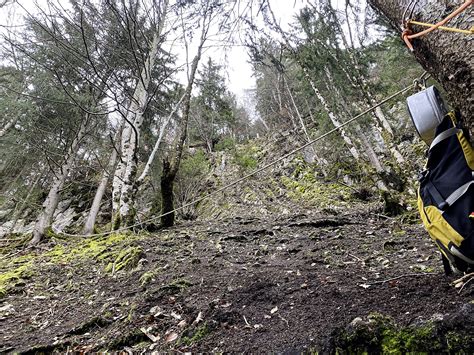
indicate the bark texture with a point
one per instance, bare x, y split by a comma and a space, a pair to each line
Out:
99, 194
45, 218
123, 185
167, 196
447, 56
171, 165
172, 162
7, 126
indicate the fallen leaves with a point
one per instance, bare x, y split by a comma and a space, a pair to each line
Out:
463, 281
171, 336
150, 336
6, 310
199, 318
175, 323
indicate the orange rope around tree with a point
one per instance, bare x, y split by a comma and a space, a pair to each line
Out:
407, 35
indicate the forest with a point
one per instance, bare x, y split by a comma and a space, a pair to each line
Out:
146, 204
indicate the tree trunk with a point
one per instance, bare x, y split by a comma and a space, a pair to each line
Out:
90, 222
447, 56
167, 196
321, 162
360, 83
363, 137
131, 143
171, 164
51, 203
163, 127
9, 125
124, 188
352, 148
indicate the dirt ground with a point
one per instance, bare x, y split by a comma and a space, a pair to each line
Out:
281, 284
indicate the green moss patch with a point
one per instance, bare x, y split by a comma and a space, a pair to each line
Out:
380, 335
116, 251
126, 259
196, 335
11, 278
14, 271
114, 248
304, 186
177, 286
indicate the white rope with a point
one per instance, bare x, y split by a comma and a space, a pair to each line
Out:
266, 166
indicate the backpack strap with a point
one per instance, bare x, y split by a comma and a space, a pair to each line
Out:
455, 251
460, 191
444, 135
443, 203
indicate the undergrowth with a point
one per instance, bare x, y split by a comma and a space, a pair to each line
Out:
116, 251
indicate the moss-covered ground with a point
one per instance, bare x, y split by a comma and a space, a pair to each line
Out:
288, 262
353, 282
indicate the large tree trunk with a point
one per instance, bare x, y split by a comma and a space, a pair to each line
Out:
447, 56
123, 186
51, 203
171, 166
172, 162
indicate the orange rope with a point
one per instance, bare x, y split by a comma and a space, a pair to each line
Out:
407, 34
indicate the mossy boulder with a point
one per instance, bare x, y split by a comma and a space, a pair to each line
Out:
380, 334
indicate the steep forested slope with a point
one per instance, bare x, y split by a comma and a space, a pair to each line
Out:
135, 212
285, 263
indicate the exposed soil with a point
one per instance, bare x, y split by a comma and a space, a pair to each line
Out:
284, 284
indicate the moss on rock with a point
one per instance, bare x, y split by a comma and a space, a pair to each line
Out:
11, 278
379, 334
126, 259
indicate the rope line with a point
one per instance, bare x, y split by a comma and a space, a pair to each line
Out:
264, 167
407, 35
451, 29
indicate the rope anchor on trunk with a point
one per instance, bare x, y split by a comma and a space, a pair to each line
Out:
407, 34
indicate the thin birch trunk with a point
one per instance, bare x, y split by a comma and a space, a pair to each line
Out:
171, 165
130, 145
45, 218
359, 83
352, 148
369, 150
321, 162
373, 158
95, 207
151, 158
9, 125
363, 86
264, 123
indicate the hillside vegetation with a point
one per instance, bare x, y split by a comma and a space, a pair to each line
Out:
146, 207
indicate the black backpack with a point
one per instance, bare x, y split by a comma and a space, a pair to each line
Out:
446, 195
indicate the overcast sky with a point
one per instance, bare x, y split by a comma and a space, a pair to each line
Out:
238, 69
234, 60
